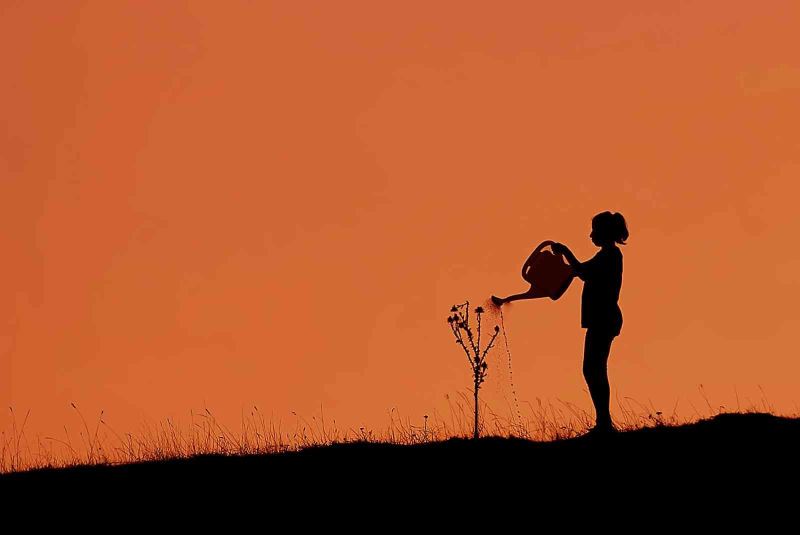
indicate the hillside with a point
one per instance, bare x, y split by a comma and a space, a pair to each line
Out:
752, 448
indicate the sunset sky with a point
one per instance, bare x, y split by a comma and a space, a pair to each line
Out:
229, 204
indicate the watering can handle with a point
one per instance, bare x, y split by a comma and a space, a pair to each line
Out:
533, 255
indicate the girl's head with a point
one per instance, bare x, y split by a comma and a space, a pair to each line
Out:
608, 228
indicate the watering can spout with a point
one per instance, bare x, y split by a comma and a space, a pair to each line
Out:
537, 292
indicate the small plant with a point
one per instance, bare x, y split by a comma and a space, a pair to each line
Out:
459, 322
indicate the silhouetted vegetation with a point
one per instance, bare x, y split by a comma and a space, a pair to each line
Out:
459, 322
731, 452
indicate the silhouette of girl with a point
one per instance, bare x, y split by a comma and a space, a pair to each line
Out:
600, 313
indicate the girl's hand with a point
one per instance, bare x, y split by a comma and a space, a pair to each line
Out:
559, 248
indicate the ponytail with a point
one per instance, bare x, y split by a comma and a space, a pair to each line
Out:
620, 228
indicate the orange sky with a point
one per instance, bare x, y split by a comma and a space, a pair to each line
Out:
276, 203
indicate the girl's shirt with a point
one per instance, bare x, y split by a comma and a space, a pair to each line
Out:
602, 276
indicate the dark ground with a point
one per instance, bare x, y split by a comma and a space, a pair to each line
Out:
749, 459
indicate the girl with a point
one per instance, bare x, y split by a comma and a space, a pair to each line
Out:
600, 313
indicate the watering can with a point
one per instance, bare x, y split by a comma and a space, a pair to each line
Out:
548, 273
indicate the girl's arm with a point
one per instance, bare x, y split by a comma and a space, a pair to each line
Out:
581, 268
571, 258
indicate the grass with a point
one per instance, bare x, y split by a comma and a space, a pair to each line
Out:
98, 443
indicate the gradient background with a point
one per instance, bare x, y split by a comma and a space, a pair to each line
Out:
227, 204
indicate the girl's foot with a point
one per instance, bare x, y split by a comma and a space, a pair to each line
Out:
603, 429
497, 301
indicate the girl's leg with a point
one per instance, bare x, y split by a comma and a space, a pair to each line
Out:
595, 370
